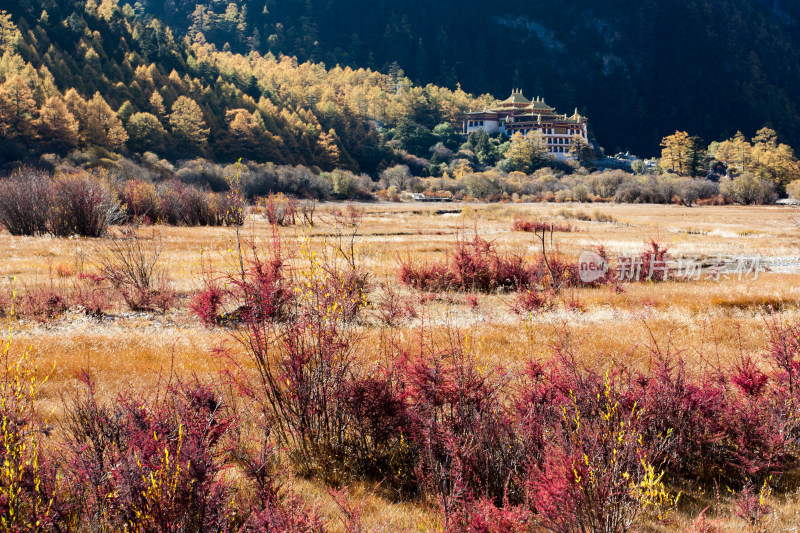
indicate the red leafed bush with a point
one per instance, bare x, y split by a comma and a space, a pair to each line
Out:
153, 465
433, 421
392, 308
43, 303
207, 305
483, 516
298, 329
532, 226
280, 210
25, 202
596, 473
433, 277
750, 505
186, 205
476, 266
473, 265
93, 296
79, 203
529, 301
748, 377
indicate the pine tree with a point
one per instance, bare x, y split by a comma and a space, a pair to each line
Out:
125, 111
103, 126
580, 149
57, 124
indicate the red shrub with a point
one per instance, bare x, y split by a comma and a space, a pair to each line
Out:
533, 226
426, 277
748, 378
750, 505
93, 296
207, 304
483, 516
43, 303
153, 465
529, 301
141, 201
393, 308
25, 202
476, 266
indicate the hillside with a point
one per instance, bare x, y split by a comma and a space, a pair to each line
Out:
77, 75
638, 69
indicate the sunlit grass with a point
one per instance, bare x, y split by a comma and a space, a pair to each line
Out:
712, 322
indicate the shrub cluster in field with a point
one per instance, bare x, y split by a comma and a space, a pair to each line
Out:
34, 203
175, 203
86, 292
555, 445
534, 226
476, 266
87, 203
126, 267
552, 185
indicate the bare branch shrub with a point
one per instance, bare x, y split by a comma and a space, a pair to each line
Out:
24, 202
82, 204
130, 263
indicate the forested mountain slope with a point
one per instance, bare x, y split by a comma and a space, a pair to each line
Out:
80, 74
638, 68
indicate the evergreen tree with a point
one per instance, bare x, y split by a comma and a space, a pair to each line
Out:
125, 111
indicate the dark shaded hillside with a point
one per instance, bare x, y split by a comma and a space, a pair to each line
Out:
638, 68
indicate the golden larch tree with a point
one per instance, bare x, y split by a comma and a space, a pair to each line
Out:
17, 108
57, 124
675, 152
187, 121
103, 126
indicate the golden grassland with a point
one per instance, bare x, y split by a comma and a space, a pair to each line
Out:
711, 321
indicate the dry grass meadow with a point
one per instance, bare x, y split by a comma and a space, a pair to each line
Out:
713, 321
